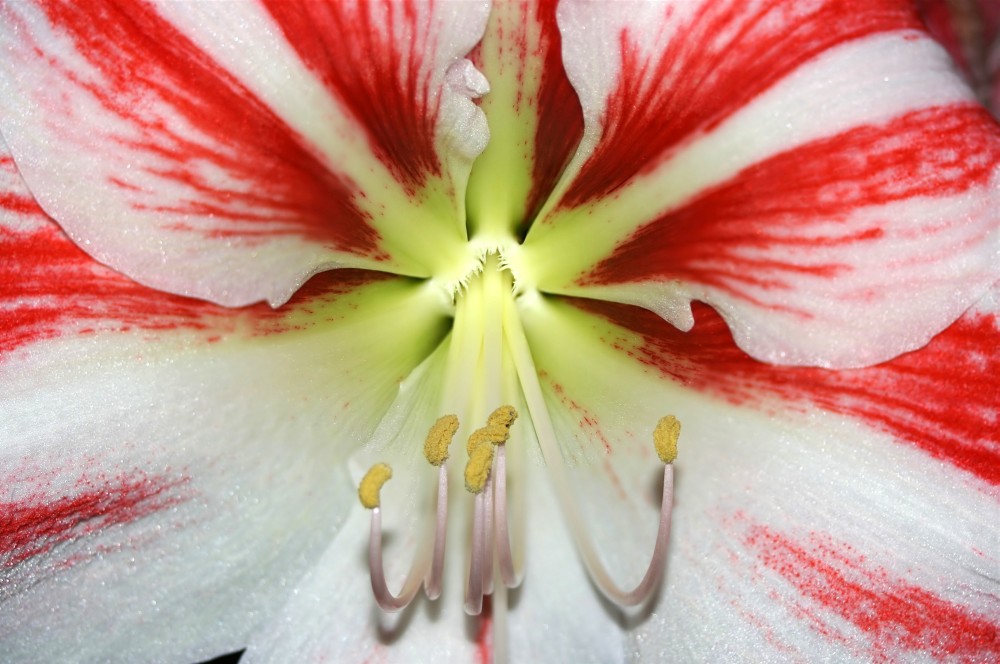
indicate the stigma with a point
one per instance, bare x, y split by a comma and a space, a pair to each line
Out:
490, 547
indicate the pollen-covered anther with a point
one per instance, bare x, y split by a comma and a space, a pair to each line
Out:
477, 469
503, 416
371, 485
665, 436
439, 438
480, 447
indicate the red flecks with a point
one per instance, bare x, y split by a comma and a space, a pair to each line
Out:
37, 523
587, 422
484, 636
51, 288
273, 184
780, 219
893, 615
729, 53
560, 117
943, 399
376, 59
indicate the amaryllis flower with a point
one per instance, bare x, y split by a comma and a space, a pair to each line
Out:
252, 250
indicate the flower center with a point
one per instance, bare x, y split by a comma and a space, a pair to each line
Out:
489, 366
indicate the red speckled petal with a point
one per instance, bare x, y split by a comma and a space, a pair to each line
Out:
833, 515
168, 467
170, 151
814, 171
893, 615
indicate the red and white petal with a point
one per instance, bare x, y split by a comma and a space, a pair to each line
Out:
822, 539
835, 515
174, 153
798, 166
169, 467
176, 488
532, 111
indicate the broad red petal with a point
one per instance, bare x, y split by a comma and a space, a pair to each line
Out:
172, 153
817, 173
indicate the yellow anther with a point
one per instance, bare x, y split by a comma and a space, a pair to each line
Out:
439, 438
480, 447
503, 416
479, 437
665, 436
498, 435
478, 467
371, 485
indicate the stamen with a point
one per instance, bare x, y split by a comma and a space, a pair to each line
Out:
368, 492
474, 590
511, 576
485, 445
436, 451
665, 442
496, 432
477, 471
488, 535
498, 424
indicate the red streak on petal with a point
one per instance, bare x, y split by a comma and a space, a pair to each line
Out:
38, 523
943, 399
50, 288
560, 117
382, 79
586, 420
729, 53
48, 285
893, 614
275, 185
759, 229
